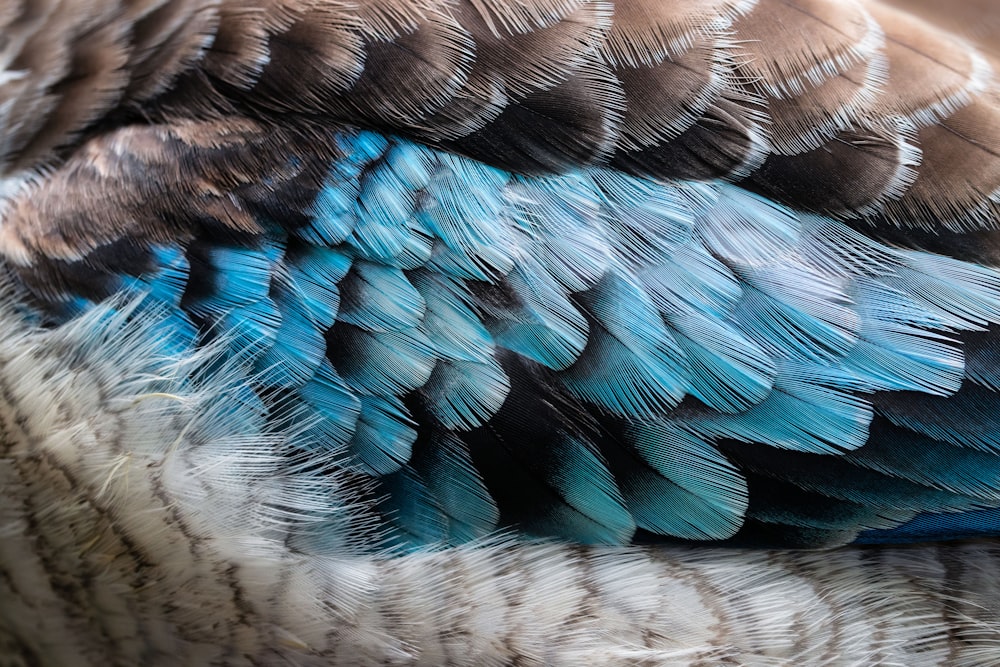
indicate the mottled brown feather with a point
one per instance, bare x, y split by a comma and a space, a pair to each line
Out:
92, 86
156, 182
168, 38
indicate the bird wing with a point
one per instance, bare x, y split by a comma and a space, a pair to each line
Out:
316, 314
611, 272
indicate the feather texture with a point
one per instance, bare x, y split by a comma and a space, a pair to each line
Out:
603, 272
136, 427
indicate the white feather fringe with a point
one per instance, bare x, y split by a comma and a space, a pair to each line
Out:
146, 518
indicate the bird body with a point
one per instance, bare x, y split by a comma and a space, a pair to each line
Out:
498, 332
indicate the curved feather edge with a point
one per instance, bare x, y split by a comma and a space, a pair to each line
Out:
227, 578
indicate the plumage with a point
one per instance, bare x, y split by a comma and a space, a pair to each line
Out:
495, 332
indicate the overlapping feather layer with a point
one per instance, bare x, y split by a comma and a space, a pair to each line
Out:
597, 356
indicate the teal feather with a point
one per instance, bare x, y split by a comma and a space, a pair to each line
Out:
421, 321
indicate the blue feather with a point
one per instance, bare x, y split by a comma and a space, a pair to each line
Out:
932, 527
384, 435
982, 359
465, 209
465, 394
970, 418
795, 313
836, 478
166, 283
452, 478
593, 509
835, 249
962, 295
241, 276
779, 503
391, 234
333, 408
728, 371
450, 322
468, 385
898, 347
384, 364
379, 298
316, 274
745, 230
646, 221
632, 366
334, 217
559, 221
589, 353
544, 325
923, 460
411, 509
811, 409
249, 330
688, 490
299, 347
692, 280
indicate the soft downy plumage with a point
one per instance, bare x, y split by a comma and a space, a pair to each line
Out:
499, 332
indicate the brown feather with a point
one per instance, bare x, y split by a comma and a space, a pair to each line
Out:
856, 172
645, 32
11, 12
506, 19
958, 184
508, 68
386, 19
555, 129
316, 59
37, 55
411, 77
667, 98
792, 93
728, 141
804, 122
791, 45
931, 73
975, 20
